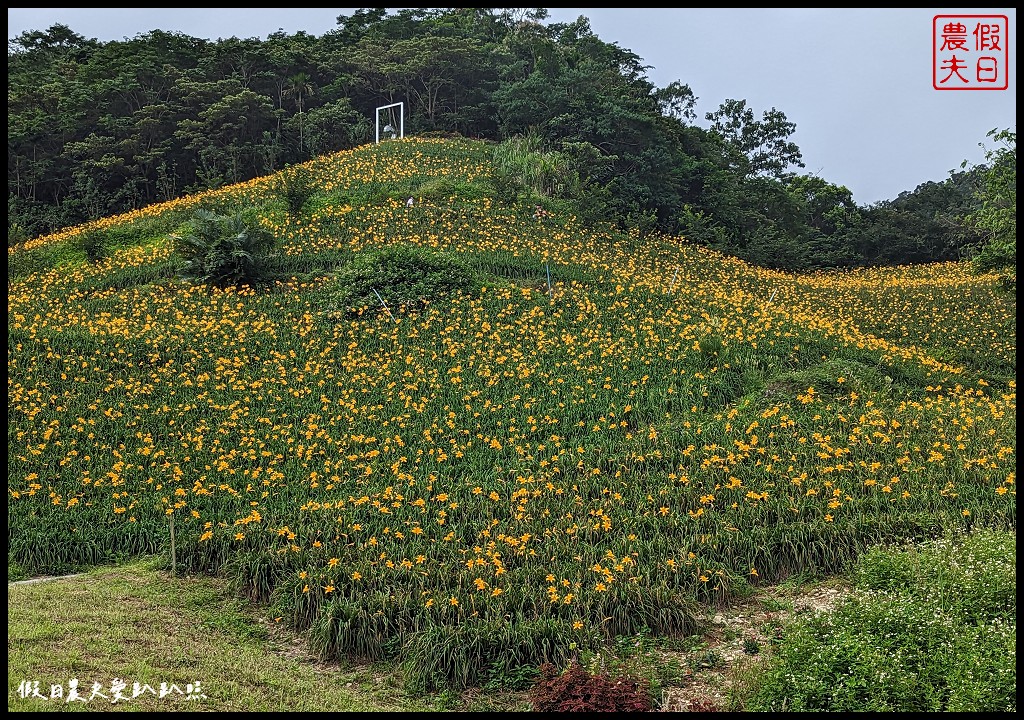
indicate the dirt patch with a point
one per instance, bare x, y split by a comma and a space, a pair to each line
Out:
286, 643
32, 581
737, 635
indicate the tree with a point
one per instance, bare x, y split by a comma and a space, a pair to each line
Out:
996, 219
227, 135
764, 143
433, 72
299, 86
829, 208
677, 100
335, 126
99, 128
57, 39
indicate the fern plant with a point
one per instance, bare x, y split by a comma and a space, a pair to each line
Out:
225, 250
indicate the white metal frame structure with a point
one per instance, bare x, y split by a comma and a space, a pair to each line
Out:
389, 127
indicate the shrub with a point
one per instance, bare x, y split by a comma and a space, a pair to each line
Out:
17, 234
445, 190
93, 245
870, 654
934, 630
295, 186
972, 576
224, 250
576, 690
404, 277
507, 187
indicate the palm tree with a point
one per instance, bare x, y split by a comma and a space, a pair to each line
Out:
299, 86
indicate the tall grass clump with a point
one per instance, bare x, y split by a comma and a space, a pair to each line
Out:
521, 162
295, 186
522, 167
574, 176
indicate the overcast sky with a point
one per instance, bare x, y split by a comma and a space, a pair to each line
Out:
857, 82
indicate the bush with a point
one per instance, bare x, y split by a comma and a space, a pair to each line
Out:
17, 234
972, 576
576, 690
444, 190
933, 629
295, 186
93, 245
224, 250
877, 654
507, 188
405, 278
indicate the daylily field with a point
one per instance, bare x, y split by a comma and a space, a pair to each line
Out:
510, 474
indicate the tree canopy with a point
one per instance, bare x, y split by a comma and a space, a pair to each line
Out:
996, 218
97, 128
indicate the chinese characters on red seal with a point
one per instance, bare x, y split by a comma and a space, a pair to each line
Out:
970, 52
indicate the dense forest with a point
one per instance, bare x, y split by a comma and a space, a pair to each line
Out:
99, 128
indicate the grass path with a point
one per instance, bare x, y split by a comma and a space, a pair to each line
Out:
47, 578
135, 623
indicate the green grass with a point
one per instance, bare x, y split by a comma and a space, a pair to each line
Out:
140, 624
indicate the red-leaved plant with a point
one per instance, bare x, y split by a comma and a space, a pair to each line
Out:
577, 690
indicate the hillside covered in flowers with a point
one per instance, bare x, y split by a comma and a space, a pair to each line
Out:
596, 434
